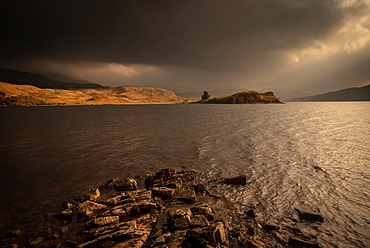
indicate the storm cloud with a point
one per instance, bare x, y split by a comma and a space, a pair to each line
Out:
311, 45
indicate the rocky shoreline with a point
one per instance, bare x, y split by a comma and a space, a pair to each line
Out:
166, 209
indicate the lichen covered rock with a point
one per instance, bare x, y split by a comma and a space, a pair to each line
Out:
125, 184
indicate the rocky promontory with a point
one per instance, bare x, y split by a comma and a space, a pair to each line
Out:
165, 209
248, 97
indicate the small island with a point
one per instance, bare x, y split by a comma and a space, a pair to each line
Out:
247, 97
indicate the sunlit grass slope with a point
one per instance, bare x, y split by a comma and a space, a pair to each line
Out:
26, 95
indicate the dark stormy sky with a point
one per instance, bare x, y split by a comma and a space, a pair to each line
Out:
190, 45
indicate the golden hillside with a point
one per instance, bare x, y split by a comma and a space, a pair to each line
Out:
26, 95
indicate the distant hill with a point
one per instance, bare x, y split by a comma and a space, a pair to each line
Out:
27, 95
349, 94
27, 78
249, 97
286, 93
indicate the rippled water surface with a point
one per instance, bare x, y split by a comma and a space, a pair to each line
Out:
313, 156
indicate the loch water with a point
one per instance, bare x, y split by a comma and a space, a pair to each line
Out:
313, 156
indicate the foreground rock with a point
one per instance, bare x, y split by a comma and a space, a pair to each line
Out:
173, 210
311, 217
239, 180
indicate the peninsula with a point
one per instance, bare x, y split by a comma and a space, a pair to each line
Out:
248, 97
28, 95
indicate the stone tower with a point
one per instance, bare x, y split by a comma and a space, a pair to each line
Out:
205, 95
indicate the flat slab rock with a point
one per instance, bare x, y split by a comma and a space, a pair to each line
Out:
311, 217
88, 208
239, 180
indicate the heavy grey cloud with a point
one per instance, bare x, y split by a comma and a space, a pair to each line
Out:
185, 44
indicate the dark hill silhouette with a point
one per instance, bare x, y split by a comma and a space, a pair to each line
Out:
27, 78
349, 94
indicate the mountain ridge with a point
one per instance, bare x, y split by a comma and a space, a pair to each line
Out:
40, 81
347, 94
